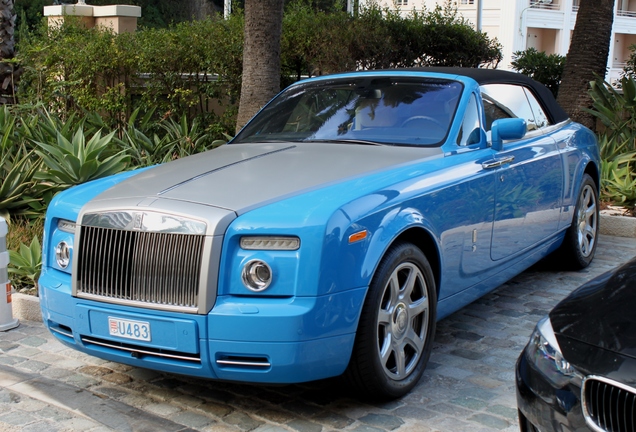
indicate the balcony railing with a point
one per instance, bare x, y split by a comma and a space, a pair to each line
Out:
535, 4
626, 13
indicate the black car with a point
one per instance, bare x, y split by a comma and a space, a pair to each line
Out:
578, 371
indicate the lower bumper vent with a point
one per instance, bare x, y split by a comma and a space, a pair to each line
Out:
243, 362
137, 351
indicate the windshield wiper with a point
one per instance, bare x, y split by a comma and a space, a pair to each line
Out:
348, 141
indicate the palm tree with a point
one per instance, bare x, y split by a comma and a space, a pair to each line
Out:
587, 57
7, 51
261, 56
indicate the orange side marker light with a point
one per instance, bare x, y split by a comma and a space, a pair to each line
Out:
360, 235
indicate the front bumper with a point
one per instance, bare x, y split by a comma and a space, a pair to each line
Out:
241, 339
543, 406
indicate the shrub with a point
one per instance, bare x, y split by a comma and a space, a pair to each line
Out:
630, 65
315, 42
180, 70
617, 142
542, 67
186, 68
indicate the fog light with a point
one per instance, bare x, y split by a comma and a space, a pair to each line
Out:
256, 275
63, 254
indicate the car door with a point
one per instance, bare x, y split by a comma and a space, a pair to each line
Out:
529, 184
469, 204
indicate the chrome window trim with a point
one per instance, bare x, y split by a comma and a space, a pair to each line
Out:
555, 127
588, 419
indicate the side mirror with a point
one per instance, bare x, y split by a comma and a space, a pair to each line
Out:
506, 129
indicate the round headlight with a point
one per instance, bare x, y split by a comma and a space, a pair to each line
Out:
63, 254
256, 275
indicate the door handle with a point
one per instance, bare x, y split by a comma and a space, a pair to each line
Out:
496, 163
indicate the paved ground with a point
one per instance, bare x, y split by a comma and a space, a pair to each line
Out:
468, 386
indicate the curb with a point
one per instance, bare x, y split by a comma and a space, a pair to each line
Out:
26, 307
619, 226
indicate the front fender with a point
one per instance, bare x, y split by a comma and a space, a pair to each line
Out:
361, 258
394, 224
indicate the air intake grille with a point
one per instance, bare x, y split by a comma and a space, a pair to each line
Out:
148, 267
610, 407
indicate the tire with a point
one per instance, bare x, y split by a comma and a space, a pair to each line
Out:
579, 244
397, 326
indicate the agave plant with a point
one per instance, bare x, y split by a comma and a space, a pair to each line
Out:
18, 165
188, 138
17, 172
618, 182
617, 143
144, 146
616, 110
76, 161
26, 264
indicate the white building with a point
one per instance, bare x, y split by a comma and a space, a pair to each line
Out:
542, 24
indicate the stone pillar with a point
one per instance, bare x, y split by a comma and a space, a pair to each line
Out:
55, 14
118, 18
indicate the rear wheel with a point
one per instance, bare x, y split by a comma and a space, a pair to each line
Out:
579, 245
397, 326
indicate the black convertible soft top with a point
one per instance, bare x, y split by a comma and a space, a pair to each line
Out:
495, 76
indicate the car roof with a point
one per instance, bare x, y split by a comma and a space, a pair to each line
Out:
555, 113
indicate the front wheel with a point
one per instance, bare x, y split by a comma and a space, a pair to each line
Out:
397, 326
579, 245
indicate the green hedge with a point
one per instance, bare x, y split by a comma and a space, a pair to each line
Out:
186, 68
545, 68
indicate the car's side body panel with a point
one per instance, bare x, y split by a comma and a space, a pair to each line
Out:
528, 197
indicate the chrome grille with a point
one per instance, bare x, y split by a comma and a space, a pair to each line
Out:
147, 267
609, 406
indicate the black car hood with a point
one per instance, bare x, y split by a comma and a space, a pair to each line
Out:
601, 313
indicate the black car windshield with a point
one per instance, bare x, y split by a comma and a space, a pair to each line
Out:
369, 110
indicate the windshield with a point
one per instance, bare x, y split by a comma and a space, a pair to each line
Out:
369, 110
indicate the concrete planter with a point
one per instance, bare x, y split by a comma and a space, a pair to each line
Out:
26, 307
613, 222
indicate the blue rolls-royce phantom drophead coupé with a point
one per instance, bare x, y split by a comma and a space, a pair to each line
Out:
328, 237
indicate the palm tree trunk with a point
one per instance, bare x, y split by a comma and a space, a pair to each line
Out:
587, 58
7, 51
261, 56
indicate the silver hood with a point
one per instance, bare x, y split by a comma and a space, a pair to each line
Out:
236, 178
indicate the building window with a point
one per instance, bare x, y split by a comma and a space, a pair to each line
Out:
467, 2
402, 2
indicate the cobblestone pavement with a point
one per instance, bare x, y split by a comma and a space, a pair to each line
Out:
468, 386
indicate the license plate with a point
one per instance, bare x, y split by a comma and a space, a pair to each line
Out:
138, 330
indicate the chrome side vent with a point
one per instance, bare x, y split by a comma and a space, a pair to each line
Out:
147, 268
